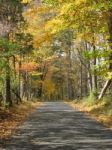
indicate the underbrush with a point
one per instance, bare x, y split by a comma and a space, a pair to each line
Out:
101, 110
12, 117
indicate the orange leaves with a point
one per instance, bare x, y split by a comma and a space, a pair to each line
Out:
29, 67
10, 119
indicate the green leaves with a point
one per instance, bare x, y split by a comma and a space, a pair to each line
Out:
2, 63
8, 48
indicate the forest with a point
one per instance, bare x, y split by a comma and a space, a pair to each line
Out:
56, 50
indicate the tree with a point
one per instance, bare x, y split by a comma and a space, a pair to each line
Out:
10, 15
96, 21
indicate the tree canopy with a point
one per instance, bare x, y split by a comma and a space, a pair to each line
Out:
55, 49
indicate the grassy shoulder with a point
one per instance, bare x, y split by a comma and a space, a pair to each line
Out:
100, 110
13, 117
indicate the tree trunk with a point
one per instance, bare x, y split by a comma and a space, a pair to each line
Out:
107, 84
81, 81
94, 73
86, 83
69, 71
8, 86
90, 78
20, 83
14, 65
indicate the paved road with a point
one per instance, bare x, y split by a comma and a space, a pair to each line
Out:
57, 126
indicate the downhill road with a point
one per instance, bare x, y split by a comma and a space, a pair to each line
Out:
57, 126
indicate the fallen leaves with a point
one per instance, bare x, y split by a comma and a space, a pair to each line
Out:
11, 118
97, 112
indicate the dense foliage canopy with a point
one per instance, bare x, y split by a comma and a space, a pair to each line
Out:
55, 49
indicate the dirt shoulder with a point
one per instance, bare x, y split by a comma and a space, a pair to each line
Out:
13, 117
99, 112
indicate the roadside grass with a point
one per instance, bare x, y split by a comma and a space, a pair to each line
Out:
13, 117
100, 110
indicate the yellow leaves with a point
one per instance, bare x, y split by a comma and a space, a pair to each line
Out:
49, 86
26, 1
109, 75
36, 18
78, 2
54, 25
71, 6
40, 39
65, 8
68, 15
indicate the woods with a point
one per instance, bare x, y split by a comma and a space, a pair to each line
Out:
52, 50
56, 54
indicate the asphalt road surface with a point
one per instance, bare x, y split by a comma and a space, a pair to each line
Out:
57, 126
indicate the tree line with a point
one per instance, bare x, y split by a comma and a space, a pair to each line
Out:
55, 50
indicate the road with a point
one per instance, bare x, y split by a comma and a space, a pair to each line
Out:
57, 126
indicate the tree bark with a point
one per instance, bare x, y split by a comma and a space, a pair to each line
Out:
95, 87
107, 84
8, 86
81, 81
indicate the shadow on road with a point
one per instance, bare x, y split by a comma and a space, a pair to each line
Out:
57, 126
